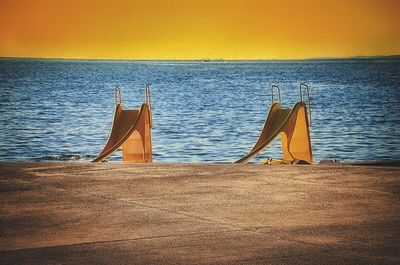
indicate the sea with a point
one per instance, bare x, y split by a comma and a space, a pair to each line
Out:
203, 111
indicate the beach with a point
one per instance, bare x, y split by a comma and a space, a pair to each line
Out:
199, 132
116, 213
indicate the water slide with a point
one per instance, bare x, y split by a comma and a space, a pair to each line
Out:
292, 126
131, 131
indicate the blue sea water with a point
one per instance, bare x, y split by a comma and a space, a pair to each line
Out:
202, 112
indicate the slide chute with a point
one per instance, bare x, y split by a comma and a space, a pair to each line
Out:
292, 125
131, 130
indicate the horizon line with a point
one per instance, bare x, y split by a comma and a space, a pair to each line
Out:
205, 59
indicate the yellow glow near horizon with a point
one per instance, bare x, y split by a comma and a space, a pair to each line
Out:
179, 29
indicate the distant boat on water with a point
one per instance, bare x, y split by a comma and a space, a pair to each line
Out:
207, 60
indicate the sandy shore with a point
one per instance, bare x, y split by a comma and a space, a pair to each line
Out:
108, 213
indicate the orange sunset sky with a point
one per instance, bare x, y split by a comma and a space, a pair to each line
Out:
179, 29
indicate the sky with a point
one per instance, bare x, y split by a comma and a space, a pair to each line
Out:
189, 29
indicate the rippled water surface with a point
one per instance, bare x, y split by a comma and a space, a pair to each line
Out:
202, 112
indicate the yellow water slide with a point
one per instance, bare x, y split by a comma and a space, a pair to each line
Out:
131, 130
292, 125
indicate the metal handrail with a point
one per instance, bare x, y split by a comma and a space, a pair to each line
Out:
148, 94
117, 93
279, 93
148, 102
306, 89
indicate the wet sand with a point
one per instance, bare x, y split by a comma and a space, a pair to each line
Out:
109, 213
